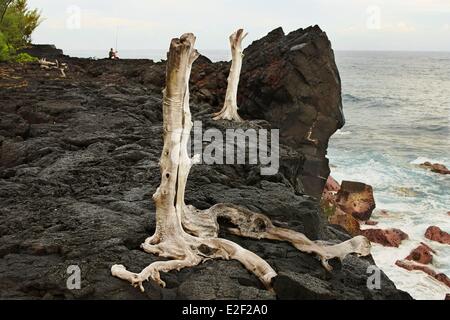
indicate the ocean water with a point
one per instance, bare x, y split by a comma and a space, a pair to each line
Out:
397, 109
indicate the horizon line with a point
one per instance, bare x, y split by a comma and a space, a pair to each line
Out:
215, 49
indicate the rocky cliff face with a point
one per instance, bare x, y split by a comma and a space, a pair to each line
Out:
293, 82
79, 163
47, 51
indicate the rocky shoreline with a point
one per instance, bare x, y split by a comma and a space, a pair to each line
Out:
351, 204
79, 163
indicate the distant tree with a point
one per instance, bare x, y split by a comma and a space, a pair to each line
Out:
17, 22
5, 49
3, 6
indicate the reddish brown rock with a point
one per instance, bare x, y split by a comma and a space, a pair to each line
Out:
357, 199
371, 223
428, 247
442, 277
350, 224
412, 265
436, 234
329, 197
387, 237
329, 191
421, 254
332, 185
435, 167
447, 296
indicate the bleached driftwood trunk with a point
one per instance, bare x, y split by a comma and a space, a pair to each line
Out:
230, 108
190, 236
170, 240
47, 65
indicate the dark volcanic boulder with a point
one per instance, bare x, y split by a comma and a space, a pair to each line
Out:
48, 51
435, 167
292, 81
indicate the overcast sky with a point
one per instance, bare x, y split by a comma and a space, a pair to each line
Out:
419, 25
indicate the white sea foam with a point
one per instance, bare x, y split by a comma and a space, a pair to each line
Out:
415, 199
417, 283
342, 133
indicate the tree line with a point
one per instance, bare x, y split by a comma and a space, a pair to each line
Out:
17, 23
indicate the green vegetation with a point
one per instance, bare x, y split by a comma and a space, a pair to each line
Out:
17, 23
328, 209
24, 58
5, 49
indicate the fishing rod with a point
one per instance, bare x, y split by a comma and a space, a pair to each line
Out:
117, 37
